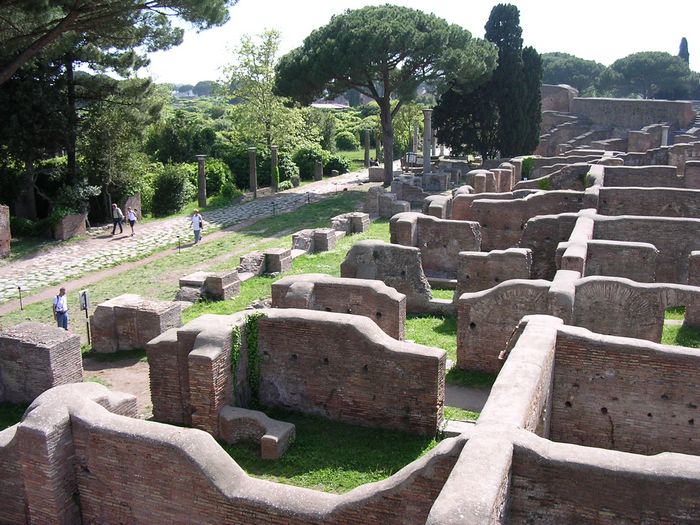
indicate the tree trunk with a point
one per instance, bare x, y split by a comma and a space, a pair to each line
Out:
72, 123
25, 205
387, 139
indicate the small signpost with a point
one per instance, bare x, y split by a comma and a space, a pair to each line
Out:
85, 305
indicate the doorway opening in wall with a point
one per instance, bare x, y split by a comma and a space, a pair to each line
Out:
676, 331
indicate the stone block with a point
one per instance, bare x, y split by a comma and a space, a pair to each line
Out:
436, 182
128, 322
318, 171
70, 226
239, 424
5, 233
372, 202
253, 263
400, 207
133, 202
35, 357
354, 222
278, 260
692, 174
376, 174
303, 240
220, 286
324, 239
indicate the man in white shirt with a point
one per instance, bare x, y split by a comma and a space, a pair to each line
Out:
60, 309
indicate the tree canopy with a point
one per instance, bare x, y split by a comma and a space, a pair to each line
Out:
683, 51
383, 52
563, 68
30, 27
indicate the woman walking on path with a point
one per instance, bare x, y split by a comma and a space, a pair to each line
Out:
131, 217
197, 224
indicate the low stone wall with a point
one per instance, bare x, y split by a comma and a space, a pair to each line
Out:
642, 176
630, 260
634, 113
369, 298
345, 368
481, 270
439, 240
658, 202
557, 98
35, 357
128, 322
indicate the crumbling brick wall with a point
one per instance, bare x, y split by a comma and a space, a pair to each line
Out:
659, 202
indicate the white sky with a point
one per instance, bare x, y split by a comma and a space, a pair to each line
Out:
601, 30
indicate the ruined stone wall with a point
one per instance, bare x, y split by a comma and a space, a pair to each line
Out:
675, 238
596, 408
630, 260
503, 221
659, 202
462, 203
557, 98
634, 113
607, 489
345, 368
439, 240
369, 298
481, 270
5, 233
12, 495
542, 235
642, 176
35, 357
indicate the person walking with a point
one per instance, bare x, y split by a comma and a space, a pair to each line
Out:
197, 224
117, 218
131, 217
60, 309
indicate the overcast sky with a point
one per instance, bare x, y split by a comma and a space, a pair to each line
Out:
601, 30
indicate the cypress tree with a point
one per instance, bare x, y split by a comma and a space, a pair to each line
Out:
532, 69
683, 51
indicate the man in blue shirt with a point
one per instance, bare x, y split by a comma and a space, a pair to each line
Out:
60, 309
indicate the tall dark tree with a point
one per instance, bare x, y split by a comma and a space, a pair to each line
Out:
503, 29
532, 108
383, 52
683, 51
468, 122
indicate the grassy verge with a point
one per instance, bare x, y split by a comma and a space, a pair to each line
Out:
681, 335
440, 293
356, 158
468, 378
332, 456
10, 414
676, 313
459, 414
431, 330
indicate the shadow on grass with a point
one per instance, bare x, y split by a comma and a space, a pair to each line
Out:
124, 357
681, 335
468, 378
332, 456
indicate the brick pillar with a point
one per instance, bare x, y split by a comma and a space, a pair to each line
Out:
201, 181
5, 234
318, 171
427, 138
692, 313
253, 172
366, 148
273, 167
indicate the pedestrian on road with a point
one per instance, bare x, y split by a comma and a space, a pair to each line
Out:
60, 309
197, 224
131, 217
117, 218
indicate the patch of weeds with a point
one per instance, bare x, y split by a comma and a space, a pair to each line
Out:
138, 354
443, 293
331, 456
676, 313
11, 414
681, 335
469, 378
432, 330
251, 335
459, 414
544, 184
98, 380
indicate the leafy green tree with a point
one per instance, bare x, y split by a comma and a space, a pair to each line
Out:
563, 68
532, 98
181, 138
503, 29
204, 88
263, 118
468, 122
649, 74
30, 27
382, 52
683, 51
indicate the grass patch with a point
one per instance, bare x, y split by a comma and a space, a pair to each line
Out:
431, 330
98, 380
676, 313
356, 158
459, 414
468, 378
138, 354
331, 456
443, 293
681, 335
11, 414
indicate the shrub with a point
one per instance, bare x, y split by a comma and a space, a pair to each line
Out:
336, 162
22, 227
296, 180
172, 189
285, 185
346, 141
287, 166
229, 191
217, 174
306, 158
544, 184
528, 164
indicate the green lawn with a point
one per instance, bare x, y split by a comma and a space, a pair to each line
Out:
332, 456
681, 335
356, 158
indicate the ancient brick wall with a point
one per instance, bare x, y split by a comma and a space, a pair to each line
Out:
542, 236
598, 402
439, 240
661, 202
462, 203
5, 234
630, 260
369, 298
557, 98
35, 357
345, 368
662, 176
675, 238
12, 496
481, 270
633, 113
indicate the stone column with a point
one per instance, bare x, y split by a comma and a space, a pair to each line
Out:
367, 148
415, 138
253, 172
433, 145
201, 181
442, 151
318, 171
427, 138
273, 167
5, 234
